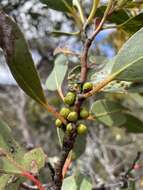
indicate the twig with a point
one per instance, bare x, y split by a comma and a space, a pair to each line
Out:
67, 165
88, 43
133, 164
53, 111
123, 181
67, 146
97, 88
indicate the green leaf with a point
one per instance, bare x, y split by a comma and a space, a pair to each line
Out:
129, 61
117, 87
136, 87
56, 78
134, 4
133, 24
137, 98
133, 185
103, 73
14, 185
19, 58
114, 86
133, 124
69, 183
83, 182
57, 33
34, 160
117, 17
122, 3
4, 181
108, 112
59, 5
79, 146
77, 182
8, 182
8, 143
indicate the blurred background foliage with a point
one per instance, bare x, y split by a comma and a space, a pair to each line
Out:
109, 151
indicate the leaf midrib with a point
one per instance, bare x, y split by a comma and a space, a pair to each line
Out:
28, 86
114, 75
107, 113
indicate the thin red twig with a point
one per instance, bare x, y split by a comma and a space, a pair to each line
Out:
33, 179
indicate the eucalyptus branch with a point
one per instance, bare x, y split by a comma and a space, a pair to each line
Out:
69, 140
89, 41
68, 144
106, 13
72, 117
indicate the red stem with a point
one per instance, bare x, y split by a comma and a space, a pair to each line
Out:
66, 166
138, 166
32, 178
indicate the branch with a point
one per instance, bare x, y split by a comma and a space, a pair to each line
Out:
68, 144
133, 164
89, 41
53, 111
69, 140
124, 179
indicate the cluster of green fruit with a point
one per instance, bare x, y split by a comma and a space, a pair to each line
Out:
72, 116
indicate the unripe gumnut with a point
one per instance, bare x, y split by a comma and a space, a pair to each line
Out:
70, 98
73, 116
69, 128
81, 129
65, 112
87, 86
58, 123
84, 113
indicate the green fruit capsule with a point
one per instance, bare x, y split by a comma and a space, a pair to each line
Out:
65, 112
70, 98
87, 87
69, 128
58, 123
84, 113
81, 129
73, 116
